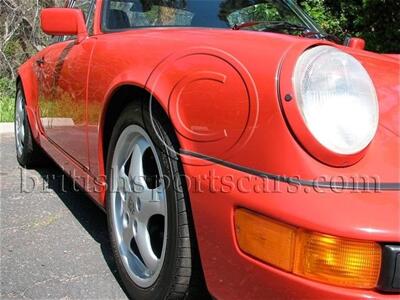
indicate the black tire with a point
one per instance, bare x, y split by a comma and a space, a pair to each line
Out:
31, 155
181, 276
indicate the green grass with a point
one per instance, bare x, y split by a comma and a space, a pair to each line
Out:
7, 95
6, 109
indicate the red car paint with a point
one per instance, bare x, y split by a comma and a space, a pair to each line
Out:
246, 72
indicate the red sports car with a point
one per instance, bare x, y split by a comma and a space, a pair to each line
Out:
238, 150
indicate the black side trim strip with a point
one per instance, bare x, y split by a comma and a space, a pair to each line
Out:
364, 186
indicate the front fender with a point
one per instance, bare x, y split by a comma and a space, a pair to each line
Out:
210, 97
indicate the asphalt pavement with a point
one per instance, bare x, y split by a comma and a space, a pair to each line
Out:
54, 241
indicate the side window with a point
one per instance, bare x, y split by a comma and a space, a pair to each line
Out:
125, 14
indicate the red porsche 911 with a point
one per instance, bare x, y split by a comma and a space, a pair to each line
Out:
239, 151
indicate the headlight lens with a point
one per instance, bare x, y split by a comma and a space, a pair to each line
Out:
337, 99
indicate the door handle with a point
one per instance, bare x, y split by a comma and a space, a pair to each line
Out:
40, 62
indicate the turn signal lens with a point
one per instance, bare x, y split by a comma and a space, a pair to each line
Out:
319, 257
337, 261
268, 240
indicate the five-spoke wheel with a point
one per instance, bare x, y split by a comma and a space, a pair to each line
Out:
138, 205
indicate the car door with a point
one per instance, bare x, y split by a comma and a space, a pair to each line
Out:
63, 90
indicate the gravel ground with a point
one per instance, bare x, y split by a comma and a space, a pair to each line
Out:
54, 242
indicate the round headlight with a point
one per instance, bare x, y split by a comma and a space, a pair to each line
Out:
337, 99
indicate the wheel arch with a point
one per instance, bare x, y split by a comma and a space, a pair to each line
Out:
28, 81
118, 99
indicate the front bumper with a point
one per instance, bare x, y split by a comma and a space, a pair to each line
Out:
389, 280
231, 274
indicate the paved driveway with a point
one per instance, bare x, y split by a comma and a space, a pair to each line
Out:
54, 241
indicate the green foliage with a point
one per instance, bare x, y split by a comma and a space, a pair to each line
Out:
6, 109
7, 87
7, 95
377, 21
317, 10
258, 12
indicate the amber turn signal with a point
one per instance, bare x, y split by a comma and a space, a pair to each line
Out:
268, 240
337, 261
319, 257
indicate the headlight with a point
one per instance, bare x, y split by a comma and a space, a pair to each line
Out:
336, 99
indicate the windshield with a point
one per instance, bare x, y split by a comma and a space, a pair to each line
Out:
127, 14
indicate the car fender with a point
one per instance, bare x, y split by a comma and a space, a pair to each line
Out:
194, 86
29, 82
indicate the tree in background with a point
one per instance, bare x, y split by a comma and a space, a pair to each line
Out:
377, 21
20, 34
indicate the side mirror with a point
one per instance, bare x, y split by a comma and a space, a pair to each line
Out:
63, 21
355, 43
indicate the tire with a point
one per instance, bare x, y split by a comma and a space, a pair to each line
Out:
177, 273
29, 154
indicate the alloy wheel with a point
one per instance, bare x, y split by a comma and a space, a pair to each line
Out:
139, 205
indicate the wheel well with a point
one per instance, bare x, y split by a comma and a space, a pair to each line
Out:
119, 100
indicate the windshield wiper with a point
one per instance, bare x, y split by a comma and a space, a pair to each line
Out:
283, 25
271, 25
323, 36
